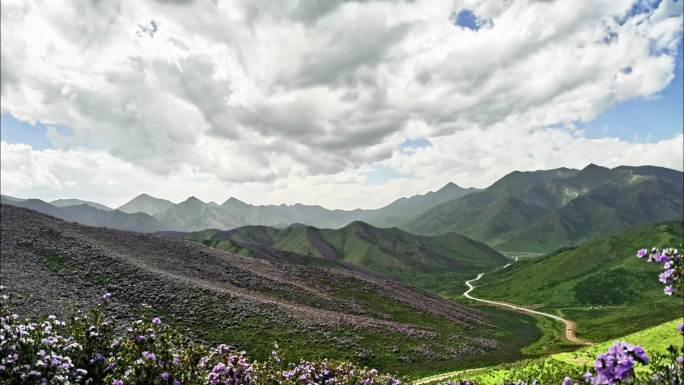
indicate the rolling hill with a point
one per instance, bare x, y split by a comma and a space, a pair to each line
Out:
600, 284
49, 265
544, 210
422, 260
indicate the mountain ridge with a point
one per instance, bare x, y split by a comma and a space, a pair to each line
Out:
560, 207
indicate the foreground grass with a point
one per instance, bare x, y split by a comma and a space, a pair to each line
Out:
655, 340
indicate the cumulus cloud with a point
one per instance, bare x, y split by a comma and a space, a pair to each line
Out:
314, 92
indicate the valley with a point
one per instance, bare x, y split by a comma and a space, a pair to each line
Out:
570, 326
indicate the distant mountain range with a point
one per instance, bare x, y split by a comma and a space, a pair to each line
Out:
544, 210
146, 213
534, 211
86, 214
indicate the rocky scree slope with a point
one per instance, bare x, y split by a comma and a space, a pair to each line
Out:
50, 265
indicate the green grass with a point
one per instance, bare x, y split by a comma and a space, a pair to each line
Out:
601, 284
55, 263
393, 252
554, 367
379, 348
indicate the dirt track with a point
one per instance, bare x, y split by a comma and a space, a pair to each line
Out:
570, 326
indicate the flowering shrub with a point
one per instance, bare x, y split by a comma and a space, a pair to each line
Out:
51, 351
673, 268
86, 349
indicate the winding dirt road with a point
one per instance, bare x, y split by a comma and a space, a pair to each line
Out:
570, 326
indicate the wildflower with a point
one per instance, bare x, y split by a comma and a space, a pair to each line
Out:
165, 376
665, 275
668, 290
642, 253
107, 296
156, 321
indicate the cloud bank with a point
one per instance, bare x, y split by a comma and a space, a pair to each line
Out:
299, 100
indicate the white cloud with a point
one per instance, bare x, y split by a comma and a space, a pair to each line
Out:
470, 158
295, 98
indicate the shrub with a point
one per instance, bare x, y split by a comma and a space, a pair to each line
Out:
87, 349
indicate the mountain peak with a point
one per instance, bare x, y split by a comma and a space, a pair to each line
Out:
232, 201
594, 166
192, 200
451, 186
145, 203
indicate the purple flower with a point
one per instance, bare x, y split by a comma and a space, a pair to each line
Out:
668, 290
666, 275
176, 382
156, 321
642, 253
640, 354
117, 382
680, 328
107, 296
165, 376
567, 381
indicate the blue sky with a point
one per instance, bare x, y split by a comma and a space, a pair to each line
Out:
13, 130
644, 120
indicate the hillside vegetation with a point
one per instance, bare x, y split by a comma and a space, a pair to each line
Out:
440, 263
552, 369
601, 284
50, 266
545, 210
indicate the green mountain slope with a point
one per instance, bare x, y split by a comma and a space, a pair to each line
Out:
393, 252
406, 209
544, 210
601, 284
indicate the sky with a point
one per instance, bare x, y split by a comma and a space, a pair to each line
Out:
344, 104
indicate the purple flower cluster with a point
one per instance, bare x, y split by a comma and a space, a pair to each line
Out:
228, 367
673, 268
331, 373
36, 352
614, 366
